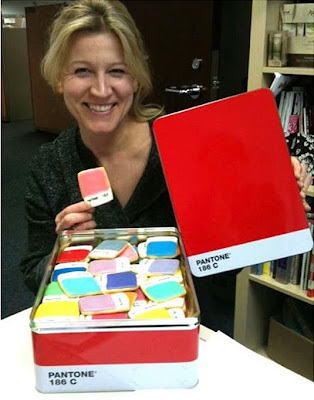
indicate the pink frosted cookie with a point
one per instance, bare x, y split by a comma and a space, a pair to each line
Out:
95, 186
119, 264
130, 252
104, 303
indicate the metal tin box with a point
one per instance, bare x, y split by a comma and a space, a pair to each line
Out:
114, 354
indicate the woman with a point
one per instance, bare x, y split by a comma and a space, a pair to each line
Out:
96, 60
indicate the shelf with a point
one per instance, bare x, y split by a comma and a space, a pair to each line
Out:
262, 351
289, 289
289, 70
257, 296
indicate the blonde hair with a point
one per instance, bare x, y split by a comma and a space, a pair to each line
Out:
101, 16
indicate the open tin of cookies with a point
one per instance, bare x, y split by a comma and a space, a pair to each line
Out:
86, 354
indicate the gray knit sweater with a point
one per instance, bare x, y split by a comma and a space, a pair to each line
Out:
52, 186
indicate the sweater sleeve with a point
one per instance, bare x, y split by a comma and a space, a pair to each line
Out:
41, 225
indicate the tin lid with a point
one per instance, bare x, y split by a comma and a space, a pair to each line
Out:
231, 184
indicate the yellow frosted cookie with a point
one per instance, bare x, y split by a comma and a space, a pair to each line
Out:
56, 310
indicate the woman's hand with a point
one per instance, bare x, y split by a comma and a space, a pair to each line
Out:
303, 180
76, 216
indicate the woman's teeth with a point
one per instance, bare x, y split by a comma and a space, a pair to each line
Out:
100, 108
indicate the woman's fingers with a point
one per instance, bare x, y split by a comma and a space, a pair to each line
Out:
303, 179
308, 181
86, 225
75, 215
73, 220
82, 206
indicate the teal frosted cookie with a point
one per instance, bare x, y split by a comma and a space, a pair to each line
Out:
77, 284
162, 289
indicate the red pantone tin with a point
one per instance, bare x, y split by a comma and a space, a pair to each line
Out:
86, 355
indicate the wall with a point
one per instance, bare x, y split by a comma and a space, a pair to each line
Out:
18, 7
234, 46
16, 91
16, 101
234, 42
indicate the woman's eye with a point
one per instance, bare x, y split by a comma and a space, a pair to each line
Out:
82, 71
117, 72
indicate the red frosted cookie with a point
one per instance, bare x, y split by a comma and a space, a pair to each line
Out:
95, 186
74, 254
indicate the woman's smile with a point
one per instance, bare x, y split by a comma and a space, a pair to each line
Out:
99, 108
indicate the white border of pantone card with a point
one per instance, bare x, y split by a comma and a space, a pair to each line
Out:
251, 253
116, 377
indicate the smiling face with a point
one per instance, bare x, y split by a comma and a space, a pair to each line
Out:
97, 87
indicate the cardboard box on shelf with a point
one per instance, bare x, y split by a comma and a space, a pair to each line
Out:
290, 349
301, 45
300, 51
296, 13
277, 49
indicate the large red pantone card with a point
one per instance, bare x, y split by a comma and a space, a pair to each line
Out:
231, 183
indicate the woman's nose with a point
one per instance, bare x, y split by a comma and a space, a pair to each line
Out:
101, 87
